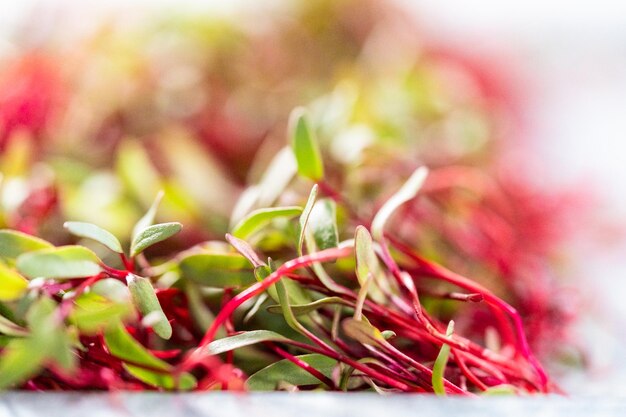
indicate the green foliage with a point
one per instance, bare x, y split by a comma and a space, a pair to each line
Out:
152, 235
241, 340
217, 269
440, 364
146, 301
142, 364
14, 243
59, 263
407, 192
258, 219
91, 231
268, 378
305, 146
322, 223
12, 284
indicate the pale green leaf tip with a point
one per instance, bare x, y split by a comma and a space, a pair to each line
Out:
407, 192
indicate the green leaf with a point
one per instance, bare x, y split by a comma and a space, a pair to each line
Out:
244, 249
305, 146
48, 331
407, 192
440, 364
11, 329
59, 263
123, 346
260, 218
146, 301
217, 270
148, 219
323, 224
21, 360
366, 260
362, 331
91, 231
276, 177
14, 243
153, 234
267, 378
186, 381
112, 290
304, 217
12, 284
303, 309
242, 339
93, 313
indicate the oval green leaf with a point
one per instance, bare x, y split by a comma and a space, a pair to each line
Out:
362, 331
268, 378
141, 363
242, 339
217, 270
323, 224
153, 234
305, 146
93, 232
260, 218
146, 301
14, 243
60, 263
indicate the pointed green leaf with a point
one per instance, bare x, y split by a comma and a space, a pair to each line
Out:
242, 339
407, 192
12, 284
148, 219
303, 309
123, 346
260, 218
276, 177
59, 263
268, 378
217, 270
244, 249
366, 260
158, 373
91, 231
153, 234
304, 217
323, 224
441, 362
305, 146
146, 301
14, 243
11, 329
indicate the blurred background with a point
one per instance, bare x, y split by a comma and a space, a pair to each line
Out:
561, 65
